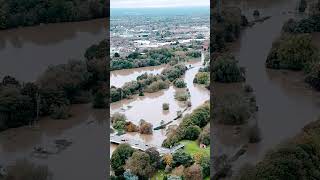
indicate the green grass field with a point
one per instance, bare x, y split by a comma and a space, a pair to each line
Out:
191, 147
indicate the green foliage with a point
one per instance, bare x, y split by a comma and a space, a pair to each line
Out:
118, 121
181, 95
225, 69
205, 165
16, 13
97, 51
119, 157
199, 117
233, 109
296, 159
202, 78
194, 54
192, 132
204, 137
165, 106
140, 164
179, 83
292, 52
313, 77
181, 158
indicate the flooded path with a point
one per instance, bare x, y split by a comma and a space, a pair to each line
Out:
286, 103
27, 52
149, 107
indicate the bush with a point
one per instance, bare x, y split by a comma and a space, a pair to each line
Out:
313, 77
205, 165
119, 157
181, 95
202, 78
193, 173
225, 69
192, 132
139, 164
293, 52
145, 127
165, 106
181, 158
179, 83
156, 86
204, 137
232, 109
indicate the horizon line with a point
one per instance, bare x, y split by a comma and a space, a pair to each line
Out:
156, 7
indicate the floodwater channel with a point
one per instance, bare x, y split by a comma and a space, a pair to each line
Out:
286, 103
149, 106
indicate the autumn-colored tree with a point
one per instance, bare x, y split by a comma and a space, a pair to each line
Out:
193, 173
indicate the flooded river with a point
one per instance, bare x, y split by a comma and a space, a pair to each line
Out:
286, 103
149, 107
27, 52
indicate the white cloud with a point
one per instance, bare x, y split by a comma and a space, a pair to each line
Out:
157, 3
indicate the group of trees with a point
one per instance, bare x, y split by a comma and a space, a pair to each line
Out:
148, 83
294, 50
146, 58
295, 159
15, 13
59, 86
190, 128
226, 27
225, 69
128, 163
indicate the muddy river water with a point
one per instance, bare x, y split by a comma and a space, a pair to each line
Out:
149, 107
286, 103
25, 53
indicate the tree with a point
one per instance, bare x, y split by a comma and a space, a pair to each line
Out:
192, 132
193, 173
154, 156
145, 127
181, 158
119, 157
140, 164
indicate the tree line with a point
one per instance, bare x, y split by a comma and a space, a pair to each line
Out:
15, 13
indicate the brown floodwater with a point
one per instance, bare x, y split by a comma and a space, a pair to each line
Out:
86, 129
27, 52
286, 103
119, 77
149, 107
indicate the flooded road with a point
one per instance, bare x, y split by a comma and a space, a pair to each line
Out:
27, 52
149, 107
286, 103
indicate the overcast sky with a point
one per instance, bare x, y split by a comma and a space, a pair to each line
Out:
157, 3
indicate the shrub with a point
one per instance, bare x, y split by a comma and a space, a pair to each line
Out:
165, 106
225, 69
202, 78
193, 173
145, 127
156, 86
139, 164
293, 52
232, 109
181, 95
205, 165
179, 83
119, 157
204, 137
313, 77
192, 132
130, 127
181, 158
